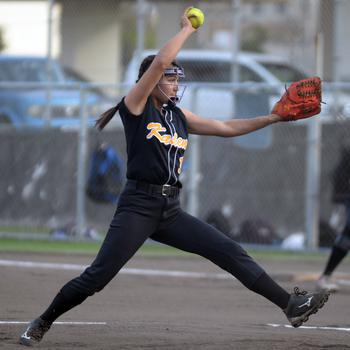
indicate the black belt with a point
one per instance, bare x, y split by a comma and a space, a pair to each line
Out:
160, 190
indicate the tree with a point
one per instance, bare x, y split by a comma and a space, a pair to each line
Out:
254, 38
2, 40
129, 37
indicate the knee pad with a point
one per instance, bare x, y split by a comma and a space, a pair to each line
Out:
342, 242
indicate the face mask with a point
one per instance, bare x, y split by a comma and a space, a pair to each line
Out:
179, 72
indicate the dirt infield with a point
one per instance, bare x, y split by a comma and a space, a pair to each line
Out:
153, 310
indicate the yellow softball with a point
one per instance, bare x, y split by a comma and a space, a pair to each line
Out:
196, 17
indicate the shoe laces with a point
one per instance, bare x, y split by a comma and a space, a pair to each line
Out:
298, 292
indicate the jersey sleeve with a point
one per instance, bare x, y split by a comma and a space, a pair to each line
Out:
124, 111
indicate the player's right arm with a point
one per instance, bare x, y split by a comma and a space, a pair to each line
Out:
136, 98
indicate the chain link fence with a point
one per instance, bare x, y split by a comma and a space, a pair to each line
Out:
263, 188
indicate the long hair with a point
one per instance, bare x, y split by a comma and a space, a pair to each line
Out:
106, 116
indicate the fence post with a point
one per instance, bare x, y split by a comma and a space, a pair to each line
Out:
236, 47
81, 171
48, 109
194, 170
313, 165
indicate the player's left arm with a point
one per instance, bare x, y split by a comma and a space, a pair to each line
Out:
228, 128
302, 99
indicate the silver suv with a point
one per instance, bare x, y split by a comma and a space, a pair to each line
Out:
262, 79
211, 67
209, 92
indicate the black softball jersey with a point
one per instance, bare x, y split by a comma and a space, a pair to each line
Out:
156, 143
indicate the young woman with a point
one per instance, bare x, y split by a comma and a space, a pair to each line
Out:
157, 136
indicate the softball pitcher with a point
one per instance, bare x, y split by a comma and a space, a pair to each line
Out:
156, 132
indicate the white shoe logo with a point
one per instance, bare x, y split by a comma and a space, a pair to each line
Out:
25, 336
307, 303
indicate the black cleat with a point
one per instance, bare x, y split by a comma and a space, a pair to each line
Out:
303, 304
34, 332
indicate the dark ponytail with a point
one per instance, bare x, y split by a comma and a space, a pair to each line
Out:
106, 116
147, 61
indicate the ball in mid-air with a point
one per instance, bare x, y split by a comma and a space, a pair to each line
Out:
196, 17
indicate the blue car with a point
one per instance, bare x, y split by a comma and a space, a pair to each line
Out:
37, 92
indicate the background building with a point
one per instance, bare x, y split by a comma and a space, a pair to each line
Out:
99, 37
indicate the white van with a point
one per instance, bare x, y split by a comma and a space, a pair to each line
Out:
262, 81
208, 92
212, 67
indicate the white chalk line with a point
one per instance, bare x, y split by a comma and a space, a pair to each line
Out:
78, 323
274, 325
131, 271
343, 282
321, 328
125, 271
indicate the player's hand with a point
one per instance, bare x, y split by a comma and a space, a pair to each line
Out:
185, 22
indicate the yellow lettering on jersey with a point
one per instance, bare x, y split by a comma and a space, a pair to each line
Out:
157, 128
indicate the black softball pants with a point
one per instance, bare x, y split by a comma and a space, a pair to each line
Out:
140, 216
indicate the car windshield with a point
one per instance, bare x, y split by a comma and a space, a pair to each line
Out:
283, 72
26, 70
206, 71
212, 72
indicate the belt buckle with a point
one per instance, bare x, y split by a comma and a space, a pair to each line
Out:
166, 190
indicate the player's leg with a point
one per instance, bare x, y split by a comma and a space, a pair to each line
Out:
339, 250
135, 220
190, 234
193, 235
128, 231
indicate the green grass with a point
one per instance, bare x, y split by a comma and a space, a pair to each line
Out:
77, 247
288, 255
46, 246
20, 229
152, 250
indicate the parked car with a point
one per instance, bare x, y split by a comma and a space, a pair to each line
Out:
211, 66
263, 79
204, 69
35, 92
208, 66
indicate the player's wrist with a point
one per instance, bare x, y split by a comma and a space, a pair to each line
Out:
188, 30
274, 118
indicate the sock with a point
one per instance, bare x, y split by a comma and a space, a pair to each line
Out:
59, 306
337, 255
269, 289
